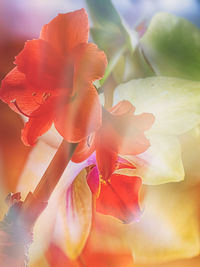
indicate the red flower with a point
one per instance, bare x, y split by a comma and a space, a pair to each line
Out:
52, 82
121, 132
119, 195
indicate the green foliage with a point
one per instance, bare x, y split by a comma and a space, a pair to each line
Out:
172, 46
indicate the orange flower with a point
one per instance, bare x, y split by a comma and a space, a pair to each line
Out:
52, 82
122, 132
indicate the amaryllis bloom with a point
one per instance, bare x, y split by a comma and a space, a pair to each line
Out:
118, 195
52, 80
121, 132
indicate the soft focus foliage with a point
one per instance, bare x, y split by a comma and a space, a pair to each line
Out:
171, 45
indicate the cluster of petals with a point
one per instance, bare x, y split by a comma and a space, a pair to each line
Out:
121, 133
53, 83
53, 80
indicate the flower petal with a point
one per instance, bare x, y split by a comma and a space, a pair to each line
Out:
106, 160
41, 65
37, 125
135, 144
15, 87
80, 117
84, 149
124, 107
57, 258
158, 165
90, 64
78, 215
143, 121
90, 257
130, 128
66, 31
93, 180
119, 197
174, 102
168, 228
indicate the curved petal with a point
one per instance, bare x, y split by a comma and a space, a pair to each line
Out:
129, 128
41, 64
174, 102
77, 215
90, 257
15, 87
78, 119
134, 144
90, 64
93, 180
106, 160
84, 149
158, 165
124, 107
119, 198
66, 31
37, 125
143, 122
57, 258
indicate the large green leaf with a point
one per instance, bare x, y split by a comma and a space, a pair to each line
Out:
172, 46
111, 34
174, 102
105, 17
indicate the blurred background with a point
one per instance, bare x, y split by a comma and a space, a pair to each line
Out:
21, 19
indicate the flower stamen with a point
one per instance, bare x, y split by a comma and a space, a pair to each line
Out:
46, 96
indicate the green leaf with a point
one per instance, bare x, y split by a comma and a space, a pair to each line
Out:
109, 29
172, 46
112, 35
174, 102
104, 14
108, 40
111, 65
